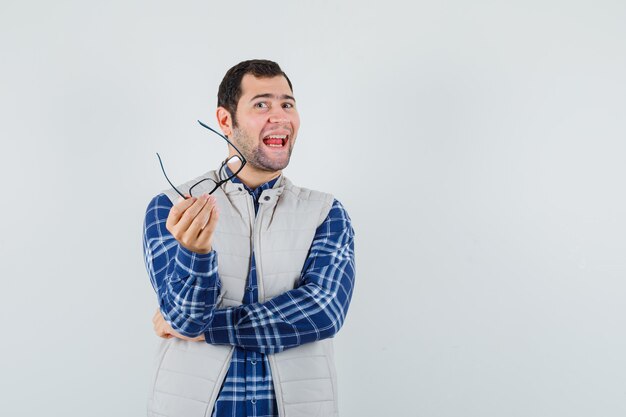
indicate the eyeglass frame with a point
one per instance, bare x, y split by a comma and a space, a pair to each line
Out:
217, 184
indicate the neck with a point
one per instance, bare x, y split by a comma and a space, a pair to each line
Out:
252, 176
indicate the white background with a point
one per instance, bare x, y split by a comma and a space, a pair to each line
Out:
478, 146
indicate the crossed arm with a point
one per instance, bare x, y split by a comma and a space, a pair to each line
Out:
189, 290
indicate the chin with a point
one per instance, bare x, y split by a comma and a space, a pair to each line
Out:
267, 163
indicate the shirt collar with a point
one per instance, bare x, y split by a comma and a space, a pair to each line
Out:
258, 190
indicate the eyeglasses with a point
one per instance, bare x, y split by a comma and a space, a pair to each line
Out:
233, 159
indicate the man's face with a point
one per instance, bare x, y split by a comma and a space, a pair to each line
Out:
267, 122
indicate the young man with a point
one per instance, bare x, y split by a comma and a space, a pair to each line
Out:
254, 279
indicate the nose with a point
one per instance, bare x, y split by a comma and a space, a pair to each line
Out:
278, 115
278, 119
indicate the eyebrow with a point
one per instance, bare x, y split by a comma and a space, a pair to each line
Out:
268, 95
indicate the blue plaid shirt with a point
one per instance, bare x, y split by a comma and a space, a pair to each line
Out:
188, 286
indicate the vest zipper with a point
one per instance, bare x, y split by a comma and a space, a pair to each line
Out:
255, 248
255, 245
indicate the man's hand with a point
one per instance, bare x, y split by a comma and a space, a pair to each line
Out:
163, 329
192, 222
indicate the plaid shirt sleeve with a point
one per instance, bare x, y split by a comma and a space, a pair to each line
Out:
187, 283
314, 310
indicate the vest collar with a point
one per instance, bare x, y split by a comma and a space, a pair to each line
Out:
268, 196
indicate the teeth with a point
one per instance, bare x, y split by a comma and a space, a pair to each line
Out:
276, 137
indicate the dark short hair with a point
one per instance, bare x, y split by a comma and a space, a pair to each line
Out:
229, 92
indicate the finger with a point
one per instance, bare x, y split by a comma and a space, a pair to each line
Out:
177, 211
190, 214
207, 233
158, 318
161, 331
158, 325
213, 216
200, 221
165, 335
199, 338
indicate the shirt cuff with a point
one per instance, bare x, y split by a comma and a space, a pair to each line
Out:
197, 264
222, 329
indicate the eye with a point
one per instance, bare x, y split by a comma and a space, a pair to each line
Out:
261, 105
288, 105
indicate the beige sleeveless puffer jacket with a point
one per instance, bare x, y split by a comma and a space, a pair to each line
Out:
188, 375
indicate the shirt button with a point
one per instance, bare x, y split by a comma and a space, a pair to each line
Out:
249, 288
253, 400
253, 362
266, 198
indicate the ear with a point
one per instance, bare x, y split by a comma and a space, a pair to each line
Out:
225, 121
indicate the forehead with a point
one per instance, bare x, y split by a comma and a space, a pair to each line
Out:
252, 86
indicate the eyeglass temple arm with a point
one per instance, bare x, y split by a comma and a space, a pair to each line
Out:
243, 159
168, 180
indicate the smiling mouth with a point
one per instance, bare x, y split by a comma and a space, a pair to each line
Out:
275, 141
